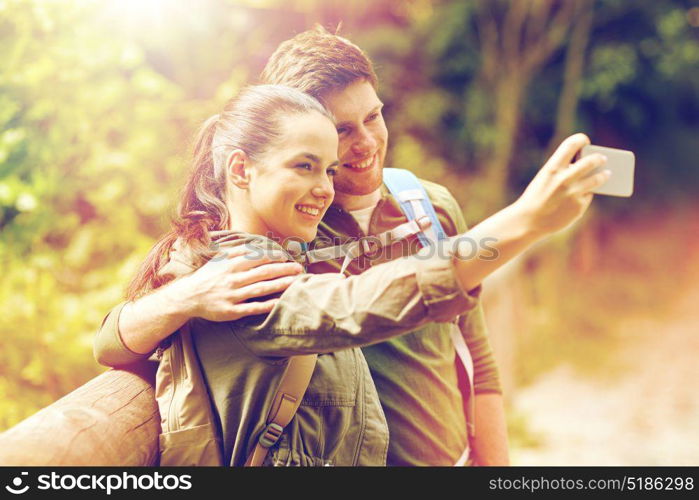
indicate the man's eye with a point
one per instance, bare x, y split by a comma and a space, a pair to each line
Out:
306, 166
372, 117
332, 172
342, 130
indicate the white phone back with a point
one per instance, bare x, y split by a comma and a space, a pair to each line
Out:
621, 163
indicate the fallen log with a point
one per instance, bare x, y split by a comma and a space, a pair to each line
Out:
111, 420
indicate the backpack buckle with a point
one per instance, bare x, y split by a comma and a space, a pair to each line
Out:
371, 246
271, 435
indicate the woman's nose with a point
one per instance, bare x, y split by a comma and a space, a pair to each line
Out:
324, 189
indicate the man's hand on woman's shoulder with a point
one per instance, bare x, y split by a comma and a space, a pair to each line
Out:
221, 288
217, 291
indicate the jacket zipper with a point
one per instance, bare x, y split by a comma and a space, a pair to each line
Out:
173, 422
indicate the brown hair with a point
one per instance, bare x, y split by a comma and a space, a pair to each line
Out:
318, 62
250, 122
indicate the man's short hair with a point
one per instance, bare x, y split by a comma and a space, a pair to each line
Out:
318, 62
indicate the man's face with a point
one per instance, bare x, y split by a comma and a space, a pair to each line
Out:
363, 137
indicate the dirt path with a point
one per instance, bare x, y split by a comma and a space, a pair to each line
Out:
647, 414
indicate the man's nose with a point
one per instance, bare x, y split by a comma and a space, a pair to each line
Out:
364, 143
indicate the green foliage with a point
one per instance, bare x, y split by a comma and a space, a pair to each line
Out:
81, 116
98, 105
639, 91
99, 101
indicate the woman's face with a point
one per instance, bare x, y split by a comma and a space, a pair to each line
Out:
291, 185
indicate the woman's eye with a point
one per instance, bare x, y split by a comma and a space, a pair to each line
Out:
342, 130
332, 172
306, 166
372, 117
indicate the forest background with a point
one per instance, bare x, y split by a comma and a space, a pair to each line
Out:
595, 329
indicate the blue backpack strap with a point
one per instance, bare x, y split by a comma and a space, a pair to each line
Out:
411, 195
414, 202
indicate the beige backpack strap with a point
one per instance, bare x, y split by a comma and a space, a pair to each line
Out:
464, 355
287, 399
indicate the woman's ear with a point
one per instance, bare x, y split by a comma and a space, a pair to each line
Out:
238, 167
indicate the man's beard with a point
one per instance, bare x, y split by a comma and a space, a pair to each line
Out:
358, 185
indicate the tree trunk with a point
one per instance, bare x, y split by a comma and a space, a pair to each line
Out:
508, 101
573, 73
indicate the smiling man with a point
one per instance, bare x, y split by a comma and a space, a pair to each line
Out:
416, 375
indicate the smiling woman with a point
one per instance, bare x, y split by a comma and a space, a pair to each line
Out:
289, 188
251, 173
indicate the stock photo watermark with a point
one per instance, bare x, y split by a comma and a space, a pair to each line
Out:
371, 247
106, 483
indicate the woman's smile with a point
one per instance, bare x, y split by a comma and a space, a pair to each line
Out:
310, 212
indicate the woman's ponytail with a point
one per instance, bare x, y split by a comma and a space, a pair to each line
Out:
193, 221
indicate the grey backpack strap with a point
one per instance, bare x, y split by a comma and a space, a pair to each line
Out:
287, 400
353, 249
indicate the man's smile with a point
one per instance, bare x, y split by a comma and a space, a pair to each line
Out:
364, 164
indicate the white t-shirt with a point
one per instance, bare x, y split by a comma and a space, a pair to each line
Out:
363, 217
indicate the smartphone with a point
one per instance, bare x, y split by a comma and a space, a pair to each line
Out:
621, 163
